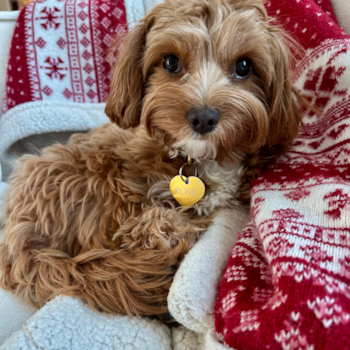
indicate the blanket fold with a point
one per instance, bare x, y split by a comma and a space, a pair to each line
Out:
192, 294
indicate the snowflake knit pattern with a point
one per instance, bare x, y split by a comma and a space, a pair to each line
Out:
60, 49
287, 283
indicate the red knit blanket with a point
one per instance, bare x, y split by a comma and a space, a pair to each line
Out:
59, 51
287, 283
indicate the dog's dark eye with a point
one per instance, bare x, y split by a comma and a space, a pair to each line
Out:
242, 68
172, 64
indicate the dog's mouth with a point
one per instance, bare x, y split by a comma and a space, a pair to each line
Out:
196, 149
201, 150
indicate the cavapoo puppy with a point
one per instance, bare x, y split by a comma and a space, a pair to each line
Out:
207, 80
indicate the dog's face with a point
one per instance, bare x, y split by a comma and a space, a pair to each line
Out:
212, 78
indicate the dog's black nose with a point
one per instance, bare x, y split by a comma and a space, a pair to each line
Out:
203, 120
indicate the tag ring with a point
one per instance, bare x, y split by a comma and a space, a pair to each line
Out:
180, 172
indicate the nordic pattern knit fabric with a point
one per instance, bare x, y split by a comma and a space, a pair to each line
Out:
59, 51
287, 283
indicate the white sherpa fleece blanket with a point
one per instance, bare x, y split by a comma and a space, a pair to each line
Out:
68, 323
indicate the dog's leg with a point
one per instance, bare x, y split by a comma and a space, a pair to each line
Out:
46, 253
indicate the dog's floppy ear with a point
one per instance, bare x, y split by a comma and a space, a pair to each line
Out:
284, 113
127, 86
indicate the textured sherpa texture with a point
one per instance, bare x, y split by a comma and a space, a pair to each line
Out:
68, 323
14, 313
38, 124
43, 116
211, 342
185, 339
192, 294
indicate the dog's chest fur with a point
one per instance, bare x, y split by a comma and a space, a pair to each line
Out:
221, 182
221, 185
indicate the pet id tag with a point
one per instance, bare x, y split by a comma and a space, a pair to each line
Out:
187, 190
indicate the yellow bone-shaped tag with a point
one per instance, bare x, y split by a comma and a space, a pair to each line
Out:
187, 190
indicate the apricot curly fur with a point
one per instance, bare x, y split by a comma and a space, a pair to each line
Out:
78, 224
